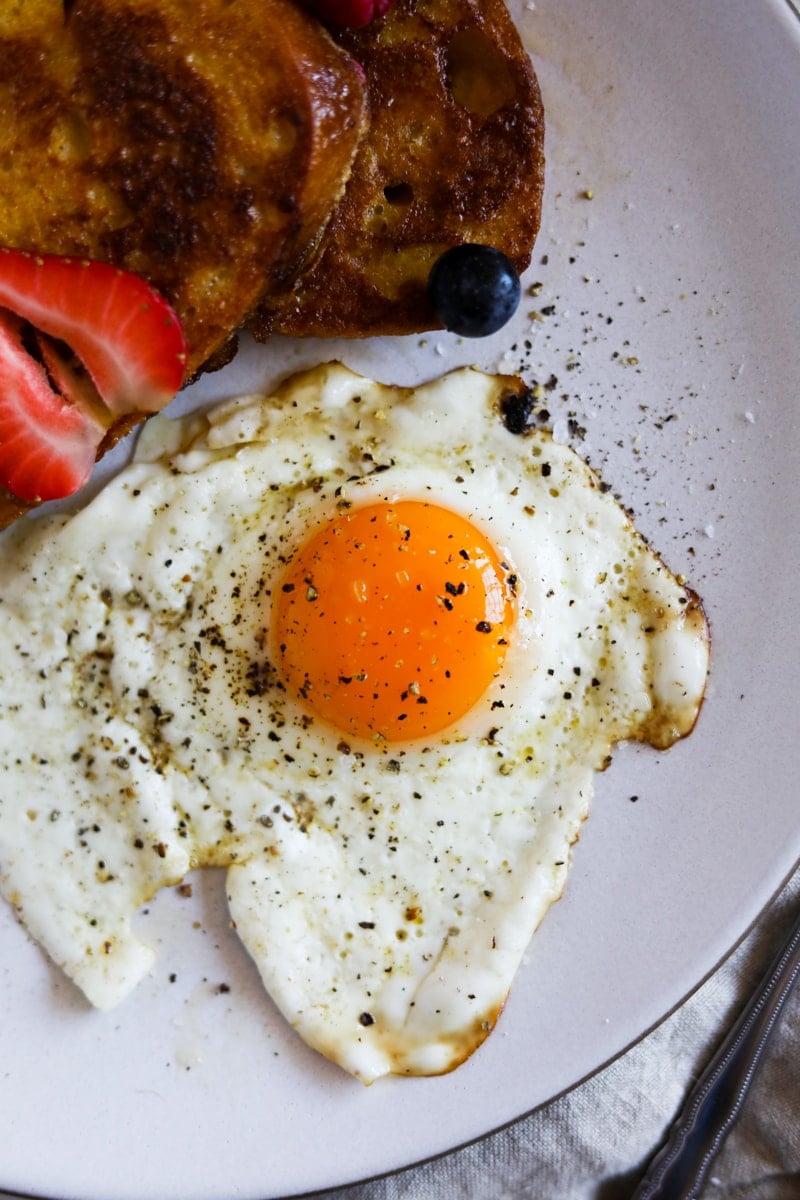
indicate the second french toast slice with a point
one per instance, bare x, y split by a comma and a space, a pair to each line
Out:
454, 153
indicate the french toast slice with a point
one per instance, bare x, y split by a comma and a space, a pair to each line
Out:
454, 153
201, 144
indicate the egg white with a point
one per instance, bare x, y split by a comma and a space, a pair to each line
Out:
386, 893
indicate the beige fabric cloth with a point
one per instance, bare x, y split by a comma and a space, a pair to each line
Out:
595, 1143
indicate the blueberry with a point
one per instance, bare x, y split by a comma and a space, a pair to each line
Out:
473, 289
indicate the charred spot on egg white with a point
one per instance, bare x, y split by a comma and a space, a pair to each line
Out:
516, 409
364, 646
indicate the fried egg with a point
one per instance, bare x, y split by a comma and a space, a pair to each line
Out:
365, 647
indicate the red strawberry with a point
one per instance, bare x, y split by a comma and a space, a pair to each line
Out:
349, 14
54, 411
47, 446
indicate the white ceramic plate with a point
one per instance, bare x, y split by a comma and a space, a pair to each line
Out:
668, 308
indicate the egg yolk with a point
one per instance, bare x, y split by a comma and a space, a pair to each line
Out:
393, 619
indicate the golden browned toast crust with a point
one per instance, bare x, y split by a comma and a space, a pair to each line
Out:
454, 153
199, 143
10, 508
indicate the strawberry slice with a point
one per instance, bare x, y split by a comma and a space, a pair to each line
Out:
123, 331
349, 14
47, 445
55, 411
